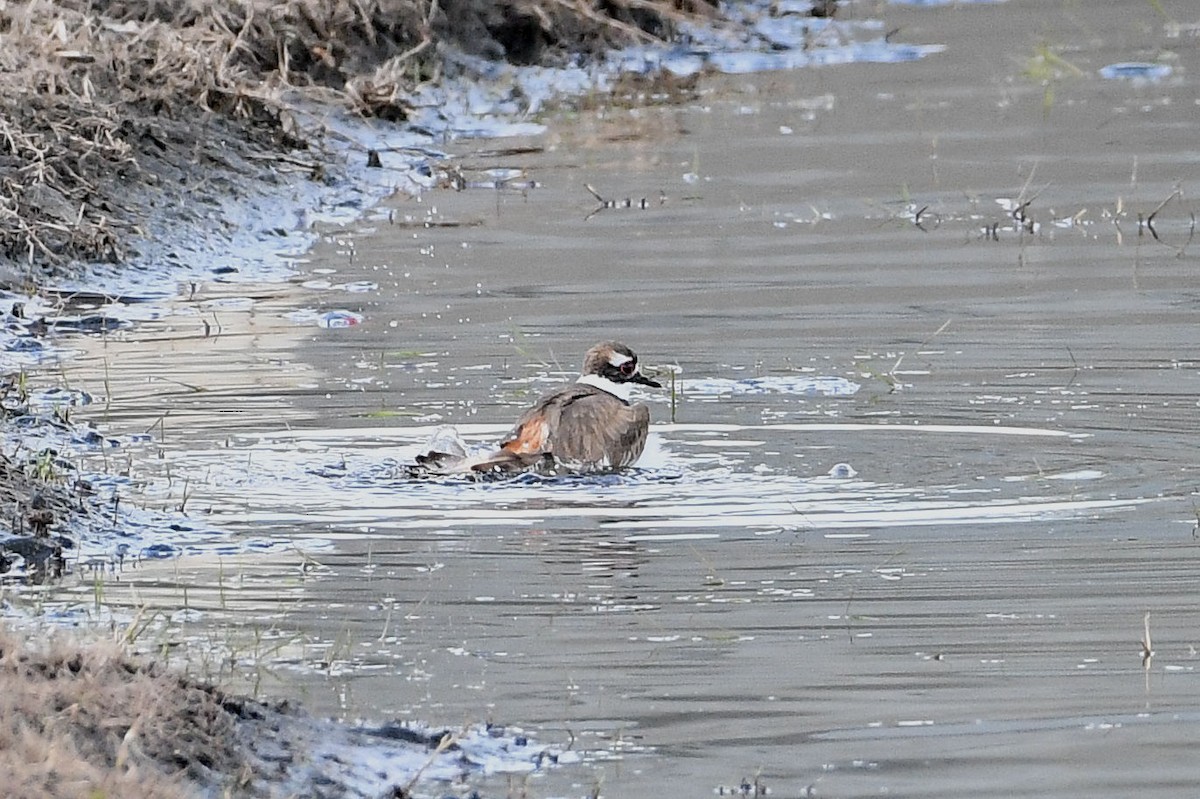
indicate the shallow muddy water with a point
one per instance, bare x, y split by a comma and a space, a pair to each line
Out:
928, 465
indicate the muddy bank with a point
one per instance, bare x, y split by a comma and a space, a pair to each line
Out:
87, 721
148, 133
56, 516
47, 504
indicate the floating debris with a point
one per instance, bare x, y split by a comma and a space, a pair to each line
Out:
842, 471
339, 319
1136, 71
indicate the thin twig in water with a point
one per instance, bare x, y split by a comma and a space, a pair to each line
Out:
1020, 213
1147, 645
628, 202
448, 740
1075, 365
1149, 220
917, 217
891, 373
674, 395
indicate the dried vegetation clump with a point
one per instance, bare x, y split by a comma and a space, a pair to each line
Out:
88, 722
31, 508
104, 98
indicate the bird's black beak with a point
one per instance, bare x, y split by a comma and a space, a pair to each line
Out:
645, 381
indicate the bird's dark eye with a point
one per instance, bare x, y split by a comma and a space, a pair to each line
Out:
628, 368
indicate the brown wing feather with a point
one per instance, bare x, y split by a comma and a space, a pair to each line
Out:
589, 426
633, 439
600, 429
531, 433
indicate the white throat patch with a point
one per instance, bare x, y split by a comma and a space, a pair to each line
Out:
617, 359
621, 391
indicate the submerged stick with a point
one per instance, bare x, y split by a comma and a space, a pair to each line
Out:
628, 202
1149, 220
892, 372
1147, 645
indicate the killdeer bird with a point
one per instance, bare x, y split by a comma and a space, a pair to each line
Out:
589, 425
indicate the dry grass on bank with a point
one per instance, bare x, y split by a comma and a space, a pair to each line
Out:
89, 723
93, 89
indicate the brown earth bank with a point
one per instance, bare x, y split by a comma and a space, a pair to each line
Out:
121, 121
87, 721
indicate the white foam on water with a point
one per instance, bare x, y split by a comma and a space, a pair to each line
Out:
803, 385
686, 485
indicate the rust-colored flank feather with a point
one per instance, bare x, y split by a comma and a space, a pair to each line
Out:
530, 439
